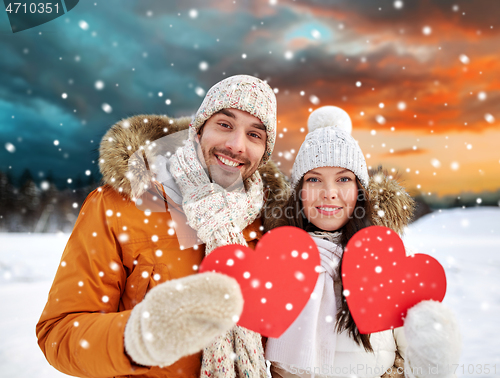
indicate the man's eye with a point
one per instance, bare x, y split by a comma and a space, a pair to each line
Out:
255, 135
225, 125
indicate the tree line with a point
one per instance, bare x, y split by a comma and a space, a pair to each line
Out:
28, 206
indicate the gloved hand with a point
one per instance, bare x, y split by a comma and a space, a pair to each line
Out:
434, 341
181, 317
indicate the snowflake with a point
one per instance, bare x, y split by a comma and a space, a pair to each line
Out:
203, 66
426, 30
464, 59
106, 108
199, 91
314, 99
83, 24
99, 85
10, 147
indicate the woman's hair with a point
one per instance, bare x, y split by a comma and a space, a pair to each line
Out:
292, 214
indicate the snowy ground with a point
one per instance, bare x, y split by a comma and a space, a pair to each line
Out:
28, 264
465, 241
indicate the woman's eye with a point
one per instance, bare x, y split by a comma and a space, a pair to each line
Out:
345, 179
312, 179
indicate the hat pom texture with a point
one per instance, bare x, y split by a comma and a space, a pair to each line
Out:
329, 116
329, 143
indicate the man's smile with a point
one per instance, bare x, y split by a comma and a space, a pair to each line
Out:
228, 161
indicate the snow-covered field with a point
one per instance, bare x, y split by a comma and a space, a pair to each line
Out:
465, 241
28, 264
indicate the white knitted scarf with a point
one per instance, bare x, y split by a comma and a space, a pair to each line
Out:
219, 218
311, 340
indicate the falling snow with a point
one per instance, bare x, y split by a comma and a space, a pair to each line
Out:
199, 91
83, 24
315, 34
426, 30
99, 85
398, 4
380, 119
314, 99
481, 96
436, 163
464, 59
203, 66
489, 118
106, 108
193, 13
10, 147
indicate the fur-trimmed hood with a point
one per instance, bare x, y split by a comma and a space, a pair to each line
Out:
393, 206
128, 149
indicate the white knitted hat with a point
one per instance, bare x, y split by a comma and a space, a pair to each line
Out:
329, 144
246, 93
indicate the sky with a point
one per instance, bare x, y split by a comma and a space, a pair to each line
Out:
420, 79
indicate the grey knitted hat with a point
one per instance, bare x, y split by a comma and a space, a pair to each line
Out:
246, 93
329, 144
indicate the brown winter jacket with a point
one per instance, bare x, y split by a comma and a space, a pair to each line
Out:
115, 255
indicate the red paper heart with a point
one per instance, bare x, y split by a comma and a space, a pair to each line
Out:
381, 283
276, 279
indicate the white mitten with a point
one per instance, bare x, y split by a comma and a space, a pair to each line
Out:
434, 341
181, 317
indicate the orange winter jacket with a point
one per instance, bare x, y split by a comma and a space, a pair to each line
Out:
114, 256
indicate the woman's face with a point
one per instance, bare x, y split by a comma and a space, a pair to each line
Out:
329, 196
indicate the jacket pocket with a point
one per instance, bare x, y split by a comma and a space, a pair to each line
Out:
145, 275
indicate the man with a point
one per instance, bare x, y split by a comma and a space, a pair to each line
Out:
98, 320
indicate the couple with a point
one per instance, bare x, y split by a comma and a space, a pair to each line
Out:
127, 299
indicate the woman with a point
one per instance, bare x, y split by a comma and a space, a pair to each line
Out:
331, 200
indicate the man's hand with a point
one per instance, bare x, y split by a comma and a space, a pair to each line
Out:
181, 317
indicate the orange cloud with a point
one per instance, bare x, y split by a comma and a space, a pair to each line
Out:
406, 152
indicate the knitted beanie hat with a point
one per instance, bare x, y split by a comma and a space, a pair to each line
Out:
329, 144
246, 93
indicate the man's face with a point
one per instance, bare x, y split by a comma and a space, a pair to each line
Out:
233, 143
